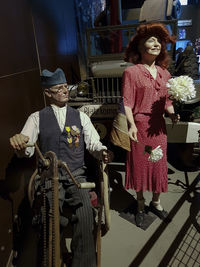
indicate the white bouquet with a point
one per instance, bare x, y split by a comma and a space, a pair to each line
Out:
181, 88
154, 154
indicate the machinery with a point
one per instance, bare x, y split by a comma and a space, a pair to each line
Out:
48, 213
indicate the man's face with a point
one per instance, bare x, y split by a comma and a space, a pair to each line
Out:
152, 46
59, 94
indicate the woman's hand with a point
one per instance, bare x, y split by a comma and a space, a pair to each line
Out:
133, 133
132, 127
174, 117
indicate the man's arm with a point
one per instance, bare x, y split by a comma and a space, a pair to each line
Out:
28, 134
92, 140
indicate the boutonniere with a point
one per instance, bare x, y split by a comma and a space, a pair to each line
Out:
154, 154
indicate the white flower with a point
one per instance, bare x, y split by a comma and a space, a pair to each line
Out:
181, 88
156, 154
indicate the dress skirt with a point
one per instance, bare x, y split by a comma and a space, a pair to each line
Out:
142, 174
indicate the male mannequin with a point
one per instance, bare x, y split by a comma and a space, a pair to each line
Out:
64, 130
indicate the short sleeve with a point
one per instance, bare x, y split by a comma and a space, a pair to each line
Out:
128, 89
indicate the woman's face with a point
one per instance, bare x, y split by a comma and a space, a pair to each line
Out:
152, 46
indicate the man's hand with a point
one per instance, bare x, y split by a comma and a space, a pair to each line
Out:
174, 117
107, 156
19, 141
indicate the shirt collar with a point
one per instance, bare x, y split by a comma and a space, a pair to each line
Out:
158, 77
147, 73
56, 108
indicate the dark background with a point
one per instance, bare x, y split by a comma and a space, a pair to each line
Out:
36, 35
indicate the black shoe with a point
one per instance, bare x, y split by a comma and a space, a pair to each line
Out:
139, 218
162, 214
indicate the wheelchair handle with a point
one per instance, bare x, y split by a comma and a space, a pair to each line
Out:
63, 165
29, 144
79, 185
87, 185
46, 162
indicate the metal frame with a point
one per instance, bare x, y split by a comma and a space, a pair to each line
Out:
50, 170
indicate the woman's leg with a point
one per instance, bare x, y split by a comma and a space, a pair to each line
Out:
140, 201
139, 218
156, 201
156, 207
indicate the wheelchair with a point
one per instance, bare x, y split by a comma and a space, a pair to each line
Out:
51, 231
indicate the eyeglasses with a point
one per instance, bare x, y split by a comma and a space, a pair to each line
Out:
58, 88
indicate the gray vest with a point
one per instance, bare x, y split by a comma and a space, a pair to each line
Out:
69, 144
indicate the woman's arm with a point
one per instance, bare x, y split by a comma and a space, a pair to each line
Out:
128, 93
173, 116
132, 127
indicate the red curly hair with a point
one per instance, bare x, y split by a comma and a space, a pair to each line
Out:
144, 31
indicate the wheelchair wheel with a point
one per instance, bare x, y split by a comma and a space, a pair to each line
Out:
103, 210
31, 187
106, 196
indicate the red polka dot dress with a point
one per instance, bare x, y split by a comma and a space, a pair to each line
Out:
148, 98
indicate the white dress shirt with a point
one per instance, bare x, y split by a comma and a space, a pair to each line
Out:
91, 137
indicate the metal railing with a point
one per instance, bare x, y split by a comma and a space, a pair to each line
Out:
106, 90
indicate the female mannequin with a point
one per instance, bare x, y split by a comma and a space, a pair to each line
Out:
146, 98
